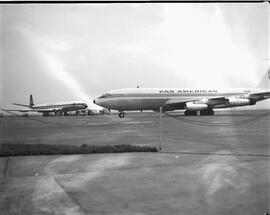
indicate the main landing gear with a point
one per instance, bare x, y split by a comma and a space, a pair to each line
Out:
209, 112
45, 114
121, 114
190, 113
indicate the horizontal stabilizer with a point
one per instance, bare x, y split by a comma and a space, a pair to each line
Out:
21, 110
21, 105
30, 110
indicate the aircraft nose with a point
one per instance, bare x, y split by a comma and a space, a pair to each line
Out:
98, 101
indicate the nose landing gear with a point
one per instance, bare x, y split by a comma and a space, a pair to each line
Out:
121, 114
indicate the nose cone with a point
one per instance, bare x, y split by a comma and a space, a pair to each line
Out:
85, 106
97, 102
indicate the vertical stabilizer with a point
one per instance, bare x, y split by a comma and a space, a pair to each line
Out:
31, 103
265, 82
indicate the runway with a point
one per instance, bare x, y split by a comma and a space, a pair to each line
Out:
201, 169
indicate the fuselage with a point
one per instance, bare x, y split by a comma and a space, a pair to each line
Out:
154, 98
63, 106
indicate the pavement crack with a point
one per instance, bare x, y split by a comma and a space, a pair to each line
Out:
6, 168
71, 198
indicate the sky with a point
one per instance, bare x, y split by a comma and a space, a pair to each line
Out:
64, 52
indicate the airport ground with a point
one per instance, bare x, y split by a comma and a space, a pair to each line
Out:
208, 165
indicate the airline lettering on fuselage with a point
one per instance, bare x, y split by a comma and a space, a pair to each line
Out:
187, 91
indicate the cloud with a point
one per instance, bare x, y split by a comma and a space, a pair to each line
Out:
96, 47
61, 45
54, 67
199, 45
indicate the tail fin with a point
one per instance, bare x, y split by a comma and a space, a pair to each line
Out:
31, 102
265, 82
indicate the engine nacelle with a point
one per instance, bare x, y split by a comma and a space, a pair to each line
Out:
191, 106
240, 102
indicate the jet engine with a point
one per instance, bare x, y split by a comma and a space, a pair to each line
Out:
240, 101
191, 106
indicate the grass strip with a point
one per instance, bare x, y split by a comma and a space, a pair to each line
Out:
21, 149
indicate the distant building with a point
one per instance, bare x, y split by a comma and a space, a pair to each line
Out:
104, 111
82, 112
92, 112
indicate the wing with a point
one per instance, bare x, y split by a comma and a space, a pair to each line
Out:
259, 96
173, 104
31, 110
218, 102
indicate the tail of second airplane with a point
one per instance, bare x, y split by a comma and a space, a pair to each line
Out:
31, 103
265, 81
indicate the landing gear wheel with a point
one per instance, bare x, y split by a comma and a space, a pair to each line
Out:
210, 112
207, 112
204, 112
187, 113
121, 115
190, 113
193, 113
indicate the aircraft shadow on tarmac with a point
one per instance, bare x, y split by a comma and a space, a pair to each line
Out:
217, 154
202, 122
216, 115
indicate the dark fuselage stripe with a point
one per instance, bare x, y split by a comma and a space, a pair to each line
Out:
56, 106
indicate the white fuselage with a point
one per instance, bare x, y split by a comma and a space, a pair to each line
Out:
154, 98
63, 106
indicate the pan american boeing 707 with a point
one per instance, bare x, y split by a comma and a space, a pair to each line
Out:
192, 101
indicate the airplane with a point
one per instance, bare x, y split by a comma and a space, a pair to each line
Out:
58, 108
200, 100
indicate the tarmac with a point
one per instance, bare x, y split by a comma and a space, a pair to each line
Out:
208, 165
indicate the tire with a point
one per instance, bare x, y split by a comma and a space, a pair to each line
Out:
190, 113
121, 115
194, 113
210, 112
203, 113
